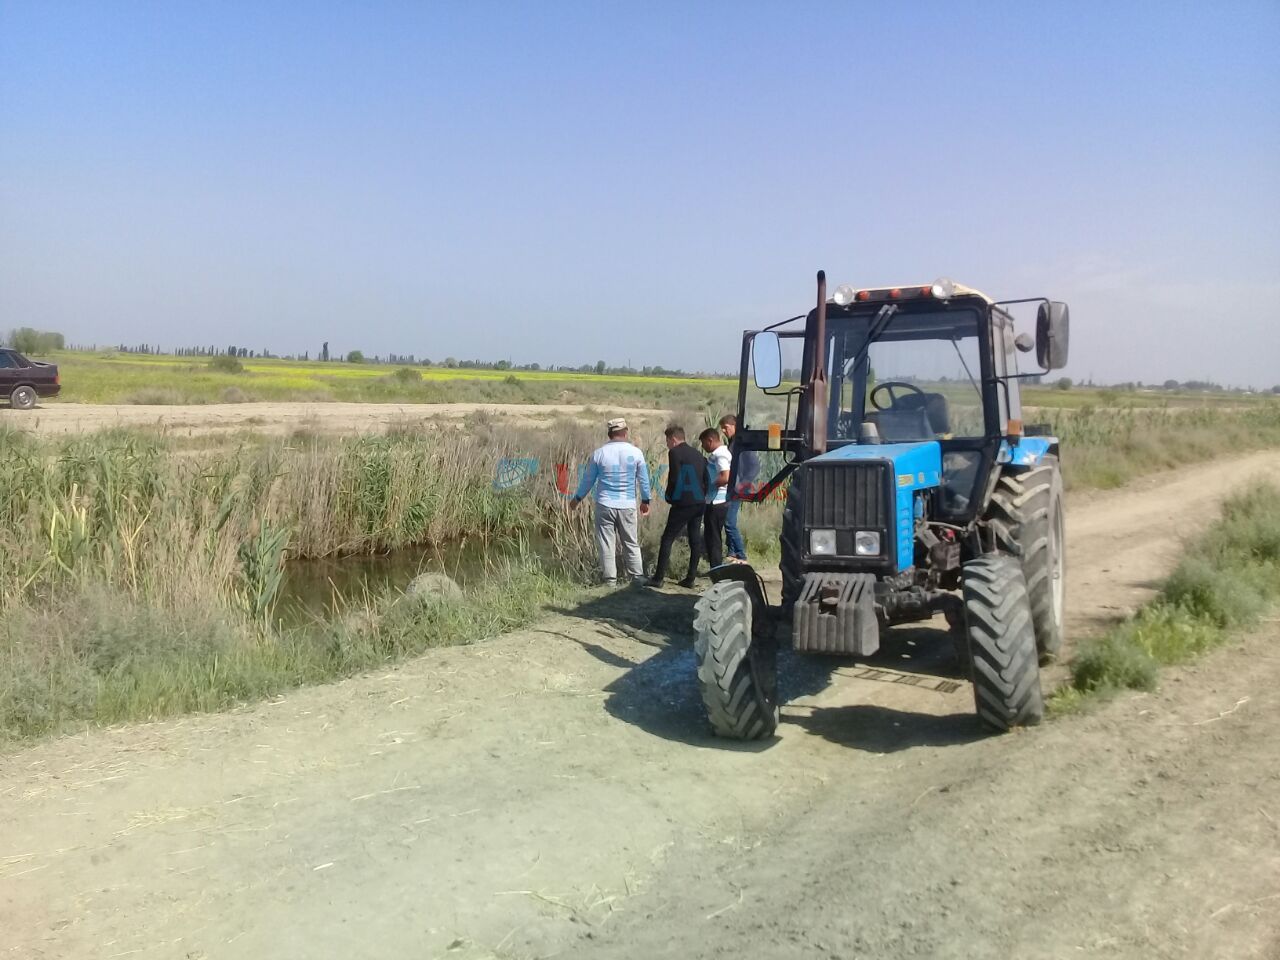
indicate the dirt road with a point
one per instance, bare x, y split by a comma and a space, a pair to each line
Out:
554, 793
284, 418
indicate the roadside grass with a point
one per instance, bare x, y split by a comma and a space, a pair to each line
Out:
1228, 579
140, 579
89, 655
1106, 448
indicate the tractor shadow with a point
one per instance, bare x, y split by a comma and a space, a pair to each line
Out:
660, 696
919, 656
878, 729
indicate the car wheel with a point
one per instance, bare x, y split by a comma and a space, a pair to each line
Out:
23, 398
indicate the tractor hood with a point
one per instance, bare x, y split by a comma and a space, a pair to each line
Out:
912, 467
916, 465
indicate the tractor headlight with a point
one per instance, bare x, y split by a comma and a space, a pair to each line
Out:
822, 543
866, 543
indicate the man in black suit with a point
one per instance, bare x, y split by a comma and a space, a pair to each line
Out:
686, 493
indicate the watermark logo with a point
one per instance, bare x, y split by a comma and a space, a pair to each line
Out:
512, 472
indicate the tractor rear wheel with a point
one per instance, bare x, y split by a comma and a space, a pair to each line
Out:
1003, 662
738, 678
1027, 517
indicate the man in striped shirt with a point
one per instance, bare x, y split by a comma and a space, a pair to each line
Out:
618, 472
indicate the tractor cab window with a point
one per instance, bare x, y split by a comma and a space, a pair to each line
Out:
1006, 365
781, 405
920, 379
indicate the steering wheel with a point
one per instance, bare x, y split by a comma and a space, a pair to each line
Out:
889, 386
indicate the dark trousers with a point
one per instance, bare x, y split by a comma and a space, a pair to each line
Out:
681, 520
713, 532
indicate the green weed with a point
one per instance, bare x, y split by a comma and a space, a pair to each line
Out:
1229, 578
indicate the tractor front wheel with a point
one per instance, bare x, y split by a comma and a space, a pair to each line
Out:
1027, 516
792, 542
1003, 661
738, 677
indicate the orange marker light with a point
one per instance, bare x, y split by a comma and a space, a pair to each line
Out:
775, 436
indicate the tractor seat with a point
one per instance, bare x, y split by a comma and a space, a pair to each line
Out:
933, 404
898, 425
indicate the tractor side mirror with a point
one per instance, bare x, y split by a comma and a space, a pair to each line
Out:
766, 360
1053, 324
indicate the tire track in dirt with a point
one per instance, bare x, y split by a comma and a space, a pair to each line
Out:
509, 798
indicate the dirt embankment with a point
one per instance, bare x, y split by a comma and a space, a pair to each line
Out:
284, 418
554, 792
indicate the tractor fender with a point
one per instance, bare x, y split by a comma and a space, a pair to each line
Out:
1026, 451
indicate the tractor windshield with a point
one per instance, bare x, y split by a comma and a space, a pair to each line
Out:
920, 379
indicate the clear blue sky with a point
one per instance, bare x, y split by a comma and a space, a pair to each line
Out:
567, 182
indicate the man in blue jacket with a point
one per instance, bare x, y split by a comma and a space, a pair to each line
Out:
618, 472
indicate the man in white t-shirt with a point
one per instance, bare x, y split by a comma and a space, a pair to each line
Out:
719, 461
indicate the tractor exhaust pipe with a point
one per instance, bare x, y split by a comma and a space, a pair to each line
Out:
816, 388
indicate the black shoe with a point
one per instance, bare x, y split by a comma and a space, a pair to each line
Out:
687, 583
655, 581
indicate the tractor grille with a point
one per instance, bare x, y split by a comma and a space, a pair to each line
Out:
846, 496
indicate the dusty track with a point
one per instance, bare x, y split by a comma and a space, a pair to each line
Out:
553, 793
282, 418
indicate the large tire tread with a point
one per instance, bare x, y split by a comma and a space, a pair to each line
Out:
1021, 516
741, 701
1004, 664
792, 541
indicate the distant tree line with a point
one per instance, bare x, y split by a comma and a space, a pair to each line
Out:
1168, 386
28, 340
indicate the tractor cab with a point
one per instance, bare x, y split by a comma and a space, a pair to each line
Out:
912, 488
933, 363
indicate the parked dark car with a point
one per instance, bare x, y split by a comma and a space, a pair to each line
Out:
22, 380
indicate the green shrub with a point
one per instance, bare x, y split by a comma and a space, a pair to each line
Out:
1230, 576
225, 363
1113, 661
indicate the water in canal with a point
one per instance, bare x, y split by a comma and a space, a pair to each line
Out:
314, 589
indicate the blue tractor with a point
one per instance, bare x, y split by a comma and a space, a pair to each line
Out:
912, 488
